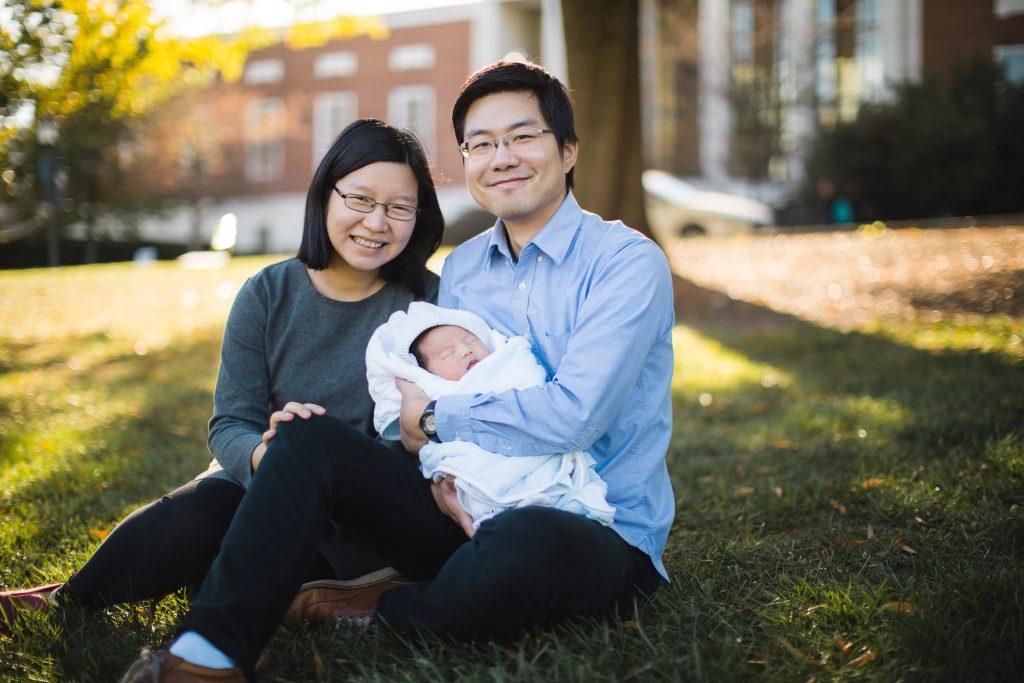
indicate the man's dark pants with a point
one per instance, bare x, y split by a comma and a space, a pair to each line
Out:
522, 567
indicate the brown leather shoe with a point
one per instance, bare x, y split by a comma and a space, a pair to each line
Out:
342, 603
35, 599
164, 667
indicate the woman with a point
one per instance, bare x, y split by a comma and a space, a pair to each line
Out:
297, 331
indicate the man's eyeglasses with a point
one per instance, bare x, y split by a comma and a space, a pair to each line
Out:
518, 140
362, 204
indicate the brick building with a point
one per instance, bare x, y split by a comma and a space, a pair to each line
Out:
264, 135
737, 89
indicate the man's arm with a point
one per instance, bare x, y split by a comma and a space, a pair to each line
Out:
626, 313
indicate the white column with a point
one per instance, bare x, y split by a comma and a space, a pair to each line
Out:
715, 117
901, 40
800, 123
552, 40
486, 43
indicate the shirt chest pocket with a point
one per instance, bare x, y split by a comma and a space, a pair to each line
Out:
553, 347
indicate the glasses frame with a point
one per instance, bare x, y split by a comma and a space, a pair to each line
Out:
467, 154
374, 204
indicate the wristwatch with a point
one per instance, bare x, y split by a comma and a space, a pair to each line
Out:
428, 423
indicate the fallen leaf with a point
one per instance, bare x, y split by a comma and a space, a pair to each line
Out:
796, 653
871, 531
743, 492
99, 533
873, 482
844, 646
318, 664
908, 550
811, 610
839, 507
778, 491
864, 659
847, 544
902, 607
705, 479
741, 473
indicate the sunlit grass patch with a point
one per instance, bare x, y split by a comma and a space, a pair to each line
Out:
849, 505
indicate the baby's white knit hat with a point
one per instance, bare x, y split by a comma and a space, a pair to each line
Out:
406, 326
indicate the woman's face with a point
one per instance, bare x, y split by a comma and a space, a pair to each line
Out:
367, 241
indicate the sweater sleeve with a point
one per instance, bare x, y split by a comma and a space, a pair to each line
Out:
241, 399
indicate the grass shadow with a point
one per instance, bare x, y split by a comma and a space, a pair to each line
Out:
867, 491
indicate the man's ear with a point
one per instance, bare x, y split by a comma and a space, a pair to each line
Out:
569, 151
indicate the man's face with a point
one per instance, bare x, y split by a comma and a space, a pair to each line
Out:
449, 351
523, 187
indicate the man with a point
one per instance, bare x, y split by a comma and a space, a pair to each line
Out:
594, 298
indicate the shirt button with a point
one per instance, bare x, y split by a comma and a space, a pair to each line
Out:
522, 286
541, 257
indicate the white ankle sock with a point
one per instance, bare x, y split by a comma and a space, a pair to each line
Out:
193, 648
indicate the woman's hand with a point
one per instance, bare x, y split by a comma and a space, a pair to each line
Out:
447, 499
286, 414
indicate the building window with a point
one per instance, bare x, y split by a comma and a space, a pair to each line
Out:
262, 71
412, 57
848, 58
336, 65
332, 111
1007, 8
1011, 58
264, 139
414, 107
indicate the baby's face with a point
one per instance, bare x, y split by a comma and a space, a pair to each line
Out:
450, 351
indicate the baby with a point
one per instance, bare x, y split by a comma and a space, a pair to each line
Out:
446, 351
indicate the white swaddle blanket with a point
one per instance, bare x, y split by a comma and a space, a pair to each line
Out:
487, 483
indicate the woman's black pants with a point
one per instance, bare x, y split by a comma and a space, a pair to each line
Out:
522, 567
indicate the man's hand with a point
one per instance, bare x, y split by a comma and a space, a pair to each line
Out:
414, 402
447, 499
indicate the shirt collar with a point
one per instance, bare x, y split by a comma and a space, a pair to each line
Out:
553, 239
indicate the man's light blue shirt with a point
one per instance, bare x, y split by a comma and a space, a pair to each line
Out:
594, 298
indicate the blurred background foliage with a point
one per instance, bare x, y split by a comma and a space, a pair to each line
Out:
944, 147
78, 81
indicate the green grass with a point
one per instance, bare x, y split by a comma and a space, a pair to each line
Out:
849, 505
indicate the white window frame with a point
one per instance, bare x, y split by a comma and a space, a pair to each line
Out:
325, 125
340, 64
1008, 8
412, 57
425, 128
264, 139
263, 71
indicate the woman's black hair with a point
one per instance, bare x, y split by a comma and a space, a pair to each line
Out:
508, 76
365, 142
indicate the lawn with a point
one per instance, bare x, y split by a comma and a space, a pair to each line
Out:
848, 496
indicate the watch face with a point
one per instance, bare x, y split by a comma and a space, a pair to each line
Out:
429, 423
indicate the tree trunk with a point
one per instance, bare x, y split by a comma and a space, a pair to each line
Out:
602, 47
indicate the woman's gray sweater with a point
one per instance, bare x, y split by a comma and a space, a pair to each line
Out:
284, 341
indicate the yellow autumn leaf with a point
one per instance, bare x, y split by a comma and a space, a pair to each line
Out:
743, 492
873, 482
864, 659
837, 506
902, 607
